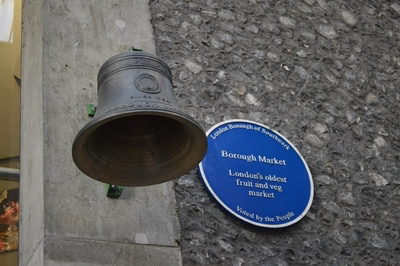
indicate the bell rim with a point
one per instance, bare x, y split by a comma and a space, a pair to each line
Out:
102, 119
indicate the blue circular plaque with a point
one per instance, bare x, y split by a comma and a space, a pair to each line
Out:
256, 174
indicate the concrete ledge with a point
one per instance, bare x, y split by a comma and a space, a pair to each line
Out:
38, 255
31, 187
78, 252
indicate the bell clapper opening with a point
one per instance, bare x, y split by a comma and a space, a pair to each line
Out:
112, 191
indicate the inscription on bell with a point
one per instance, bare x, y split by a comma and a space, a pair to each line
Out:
147, 83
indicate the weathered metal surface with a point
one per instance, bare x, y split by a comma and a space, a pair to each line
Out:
138, 136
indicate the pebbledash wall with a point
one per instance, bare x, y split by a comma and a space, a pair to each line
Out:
323, 73
326, 75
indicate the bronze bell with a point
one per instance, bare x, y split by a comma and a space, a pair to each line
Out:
138, 136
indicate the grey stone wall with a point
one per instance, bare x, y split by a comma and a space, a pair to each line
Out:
66, 218
78, 37
326, 75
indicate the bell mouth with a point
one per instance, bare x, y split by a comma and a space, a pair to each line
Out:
139, 148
